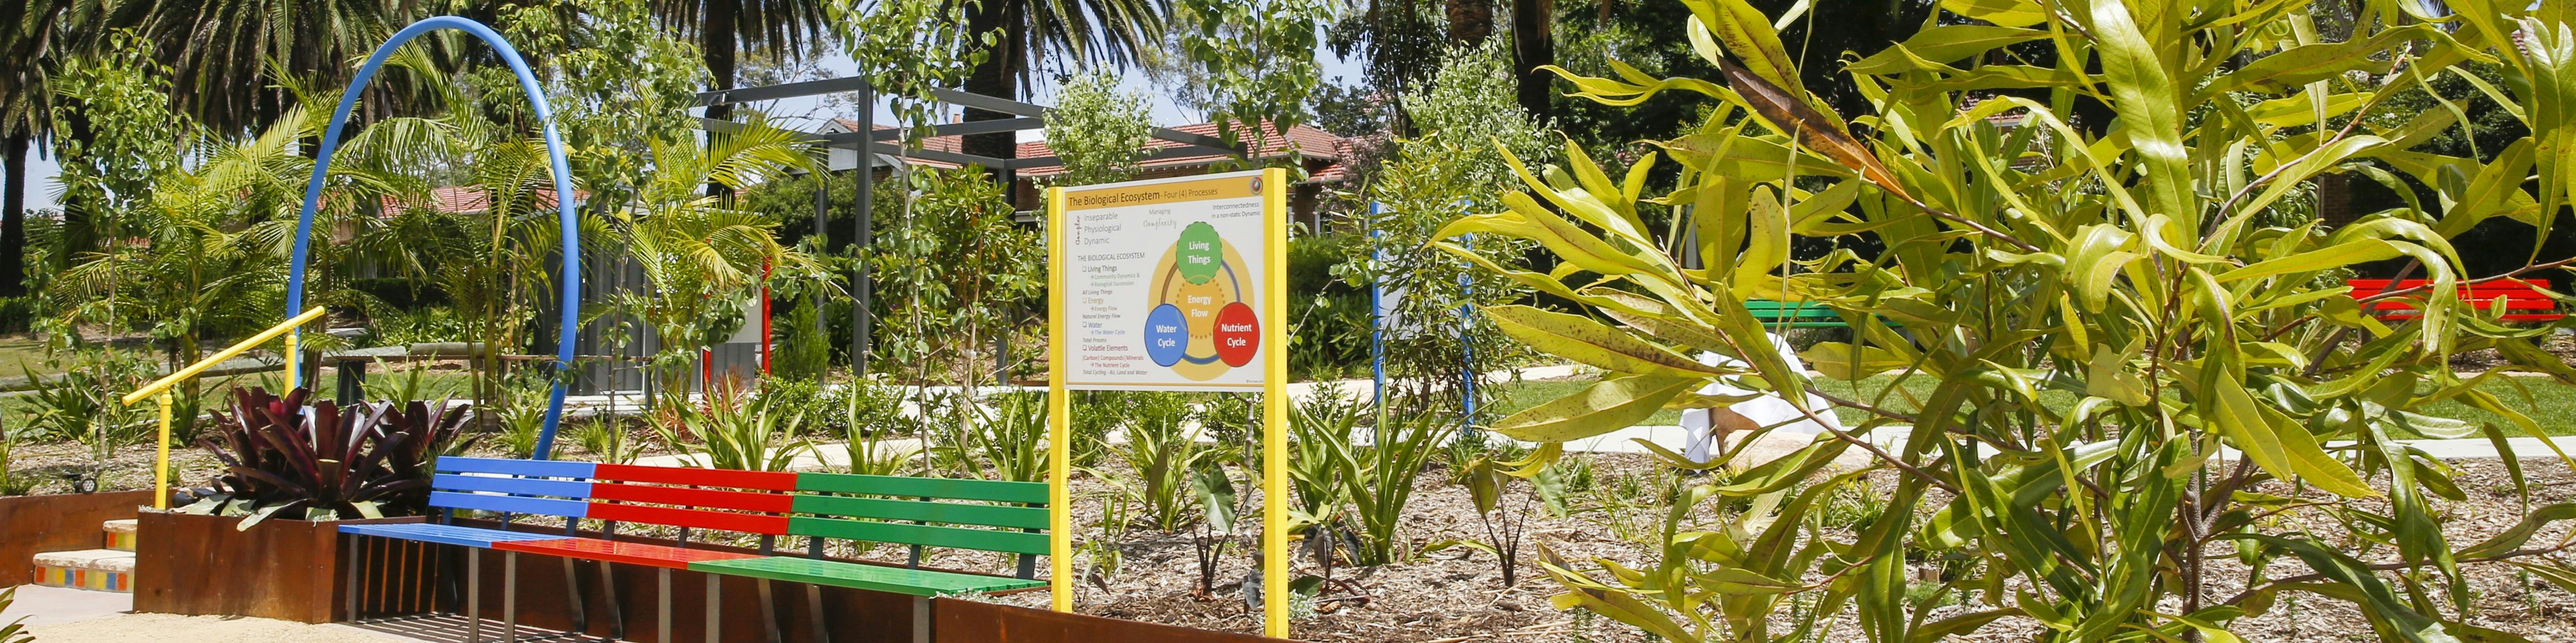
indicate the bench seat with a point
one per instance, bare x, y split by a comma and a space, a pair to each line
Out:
898, 580
445, 534
620, 552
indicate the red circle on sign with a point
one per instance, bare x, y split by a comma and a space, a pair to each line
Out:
1238, 333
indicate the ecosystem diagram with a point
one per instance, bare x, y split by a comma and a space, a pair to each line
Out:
1202, 323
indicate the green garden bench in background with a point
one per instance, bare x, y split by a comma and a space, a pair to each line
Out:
1794, 314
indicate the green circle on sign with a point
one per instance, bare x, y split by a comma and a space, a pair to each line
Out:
1200, 250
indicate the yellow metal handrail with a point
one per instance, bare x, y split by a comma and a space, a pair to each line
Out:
159, 390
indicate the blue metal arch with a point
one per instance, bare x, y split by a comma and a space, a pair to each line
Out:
571, 277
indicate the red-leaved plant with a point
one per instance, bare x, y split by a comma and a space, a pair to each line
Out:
328, 461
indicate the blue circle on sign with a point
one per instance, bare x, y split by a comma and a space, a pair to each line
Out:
1167, 335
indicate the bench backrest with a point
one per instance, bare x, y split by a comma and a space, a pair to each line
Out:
753, 502
988, 515
509, 486
2520, 301
1768, 309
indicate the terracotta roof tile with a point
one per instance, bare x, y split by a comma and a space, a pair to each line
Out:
1306, 140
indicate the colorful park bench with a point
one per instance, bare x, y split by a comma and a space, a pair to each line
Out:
2520, 301
1794, 314
818, 506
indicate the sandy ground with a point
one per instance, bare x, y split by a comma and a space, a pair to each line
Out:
206, 629
60, 614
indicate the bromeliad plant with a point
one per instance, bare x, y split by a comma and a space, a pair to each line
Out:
324, 461
2151, 264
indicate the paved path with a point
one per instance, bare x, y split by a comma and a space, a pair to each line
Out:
43, 605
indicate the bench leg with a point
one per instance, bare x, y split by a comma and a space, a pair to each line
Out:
572, 587
768, 612
510, 597
349, 600
663, 614
814, 612
608, 590
473, 595
715, 607
921, 619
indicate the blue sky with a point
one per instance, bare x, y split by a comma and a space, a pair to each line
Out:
42, 171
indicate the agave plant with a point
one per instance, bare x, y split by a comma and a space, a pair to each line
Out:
325, 460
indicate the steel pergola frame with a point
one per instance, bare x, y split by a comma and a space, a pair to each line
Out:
874, 145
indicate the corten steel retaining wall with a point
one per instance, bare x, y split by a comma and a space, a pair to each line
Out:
849, 615
32, 524
202, 565
294, 570
961, 621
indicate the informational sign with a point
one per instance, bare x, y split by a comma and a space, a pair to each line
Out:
1171, 285
1163, 283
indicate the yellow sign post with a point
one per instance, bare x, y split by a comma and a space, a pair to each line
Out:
1176, 284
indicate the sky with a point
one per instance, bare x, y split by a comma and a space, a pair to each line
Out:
809, 111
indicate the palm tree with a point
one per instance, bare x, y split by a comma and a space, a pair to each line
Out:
31, 36
776, 27
1091, 32
221, 52
699, 256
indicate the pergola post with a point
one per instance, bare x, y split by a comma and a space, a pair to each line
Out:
862, 284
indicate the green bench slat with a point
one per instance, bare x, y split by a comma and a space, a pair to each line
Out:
1012, 542
943, 512
1034, 493
871, 577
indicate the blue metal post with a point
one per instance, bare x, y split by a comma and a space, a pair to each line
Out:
1377, 321
570, 323
1467, 361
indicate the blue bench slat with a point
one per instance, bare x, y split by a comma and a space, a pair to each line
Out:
510, 504
539, 468
513, 486
442, 534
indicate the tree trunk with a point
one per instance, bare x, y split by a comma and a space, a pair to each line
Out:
13, 219
1534, 46
716, 43
998, 76
80, 232
1470, 21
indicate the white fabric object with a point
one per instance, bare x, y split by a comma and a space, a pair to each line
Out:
1705, 426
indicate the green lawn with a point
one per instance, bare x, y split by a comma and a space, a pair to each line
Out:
20, 355
2550, 403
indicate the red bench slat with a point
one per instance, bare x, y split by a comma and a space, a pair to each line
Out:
692, 518
764, 480
618, 552
2502, 296
707, 498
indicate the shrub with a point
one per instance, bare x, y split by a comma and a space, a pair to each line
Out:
326, 461
737, 432
2133, 269
1164, 453
11, 484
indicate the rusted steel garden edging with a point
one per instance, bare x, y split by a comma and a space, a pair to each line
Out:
294, 570
63, 522
201, 565
966, 621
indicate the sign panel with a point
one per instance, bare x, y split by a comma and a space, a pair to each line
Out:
1164, 283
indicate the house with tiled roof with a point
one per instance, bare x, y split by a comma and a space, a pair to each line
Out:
1319, 153
461, 199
